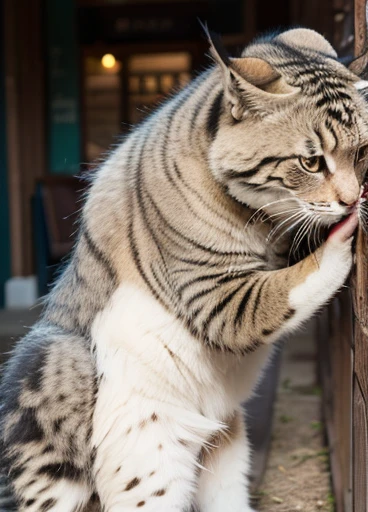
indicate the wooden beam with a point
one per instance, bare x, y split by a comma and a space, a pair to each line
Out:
360, 378
360, 300
360, 22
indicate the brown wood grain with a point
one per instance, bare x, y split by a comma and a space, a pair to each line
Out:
25, 97
335, 356
344, 354
360, 303
360, 27
360, 373
360, 453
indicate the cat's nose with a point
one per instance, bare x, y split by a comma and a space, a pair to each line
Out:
348, 193
348, 205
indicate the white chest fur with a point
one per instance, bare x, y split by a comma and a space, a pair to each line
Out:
162, 394
144, 349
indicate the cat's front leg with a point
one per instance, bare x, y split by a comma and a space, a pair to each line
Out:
274, 303
223, 484
333, 263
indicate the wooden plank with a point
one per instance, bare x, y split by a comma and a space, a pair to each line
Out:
343, 392
360, 406
25, 96
335, 356
360, 300
344, 359
360, 26
360, 452
12, 123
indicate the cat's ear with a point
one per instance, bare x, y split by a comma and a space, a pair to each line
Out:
306, 39
250, 84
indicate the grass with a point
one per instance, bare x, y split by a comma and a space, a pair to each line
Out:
284, 418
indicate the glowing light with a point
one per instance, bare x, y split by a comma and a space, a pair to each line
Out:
108, 61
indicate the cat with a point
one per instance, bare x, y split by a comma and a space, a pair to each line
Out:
127, 393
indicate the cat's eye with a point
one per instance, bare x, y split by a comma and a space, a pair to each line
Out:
312, 164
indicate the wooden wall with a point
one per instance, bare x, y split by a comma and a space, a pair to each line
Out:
343, 344
360, 379
25, 96
335, 337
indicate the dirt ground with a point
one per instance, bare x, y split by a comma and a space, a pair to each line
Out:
297, 476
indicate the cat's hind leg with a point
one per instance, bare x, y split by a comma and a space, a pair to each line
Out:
48, 396
61, 496
41, 480
147, 458
223, 484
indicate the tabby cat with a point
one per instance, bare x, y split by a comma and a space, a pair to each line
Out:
126, 395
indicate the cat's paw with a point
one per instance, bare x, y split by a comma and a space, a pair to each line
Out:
333, 262
335, 257
336, 261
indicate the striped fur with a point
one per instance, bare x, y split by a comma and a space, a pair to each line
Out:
179, 283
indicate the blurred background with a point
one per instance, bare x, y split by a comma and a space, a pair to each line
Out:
77, 74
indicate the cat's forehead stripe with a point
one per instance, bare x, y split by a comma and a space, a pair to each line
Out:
319, 77
311, 147
331, 164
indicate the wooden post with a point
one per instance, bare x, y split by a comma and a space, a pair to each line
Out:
24, 90
343, 343
360, 379
360, 302
335, 358
360, 23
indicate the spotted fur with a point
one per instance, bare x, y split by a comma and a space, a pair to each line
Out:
127, 393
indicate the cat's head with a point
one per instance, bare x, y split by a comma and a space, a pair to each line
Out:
293, 136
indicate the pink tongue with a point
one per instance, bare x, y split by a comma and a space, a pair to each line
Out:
344, 229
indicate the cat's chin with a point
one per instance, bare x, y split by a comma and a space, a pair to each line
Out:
332, 220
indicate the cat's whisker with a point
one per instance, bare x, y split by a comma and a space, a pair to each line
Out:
317, 226
307, 233
261, 209
316, 231
292, 251
311, 234
320, 232
290, 228
302, 223
363, 214
278, 226
284, 212
300, 234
